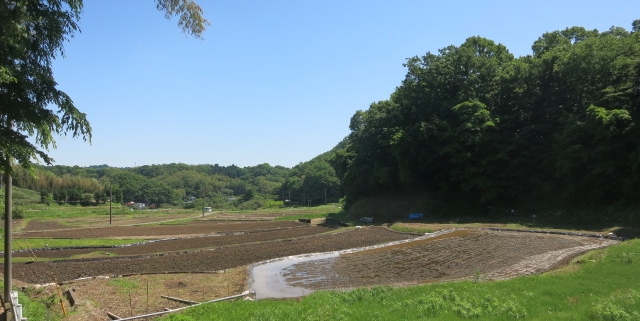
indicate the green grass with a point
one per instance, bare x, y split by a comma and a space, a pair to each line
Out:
20, 244
24, 196
296, 217
124, 285
55, 210
406, 229
36, 309
54, 243
600, 285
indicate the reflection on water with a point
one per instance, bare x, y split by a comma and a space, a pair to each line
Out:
300, 275
269, 280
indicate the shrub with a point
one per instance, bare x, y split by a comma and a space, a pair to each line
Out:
609, 312
273, 204
16, 213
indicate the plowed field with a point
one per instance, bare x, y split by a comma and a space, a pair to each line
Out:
252, 242
203, 246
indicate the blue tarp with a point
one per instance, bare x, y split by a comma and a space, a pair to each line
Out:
416, 216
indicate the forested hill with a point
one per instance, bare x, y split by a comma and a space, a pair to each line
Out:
474, 125
309, 183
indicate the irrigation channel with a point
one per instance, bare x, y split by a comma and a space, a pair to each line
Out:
445, 255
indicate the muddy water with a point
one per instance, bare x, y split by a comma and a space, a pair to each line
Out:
301, 275
268, 280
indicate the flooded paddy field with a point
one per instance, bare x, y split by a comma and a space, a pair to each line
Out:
459, 254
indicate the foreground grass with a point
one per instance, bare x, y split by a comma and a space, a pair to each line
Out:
36, 310
600, 285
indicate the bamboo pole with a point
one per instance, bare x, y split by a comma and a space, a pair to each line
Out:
30, 249
185, 301
22, 248
64, 310
245, 293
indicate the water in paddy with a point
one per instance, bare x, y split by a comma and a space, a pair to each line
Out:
268, 279
300, 275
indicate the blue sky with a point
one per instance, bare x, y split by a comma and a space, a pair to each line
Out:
273, 81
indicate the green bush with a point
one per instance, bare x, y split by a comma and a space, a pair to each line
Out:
273, 204
16, 213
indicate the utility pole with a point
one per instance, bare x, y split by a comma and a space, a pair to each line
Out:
110, 202
8, 191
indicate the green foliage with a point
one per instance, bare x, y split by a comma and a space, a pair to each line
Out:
405, 229
251, 205
474, 125
22, 196
170, 184
273, 204
30, 40
35, 309
312, 183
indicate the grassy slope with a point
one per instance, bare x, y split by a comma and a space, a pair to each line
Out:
601, 285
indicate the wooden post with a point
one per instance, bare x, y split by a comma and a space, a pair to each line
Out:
64, 311
147, 309
113, 316
130, 304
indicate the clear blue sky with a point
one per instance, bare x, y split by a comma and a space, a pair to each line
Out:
273, 81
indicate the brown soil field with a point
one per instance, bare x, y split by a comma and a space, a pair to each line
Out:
36, 229
213, 259
208, 258
458, 254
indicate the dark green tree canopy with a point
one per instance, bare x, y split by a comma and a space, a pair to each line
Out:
474, 125
32, 34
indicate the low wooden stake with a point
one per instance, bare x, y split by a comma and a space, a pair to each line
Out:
64, 310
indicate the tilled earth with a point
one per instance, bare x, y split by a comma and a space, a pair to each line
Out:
481, 254
202, 250
195, 254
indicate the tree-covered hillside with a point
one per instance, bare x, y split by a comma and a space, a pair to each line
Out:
473, 124
186, 185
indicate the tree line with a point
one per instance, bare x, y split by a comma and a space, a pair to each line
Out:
472, 124
308, 183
